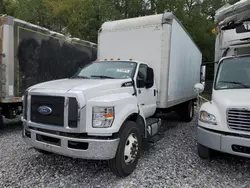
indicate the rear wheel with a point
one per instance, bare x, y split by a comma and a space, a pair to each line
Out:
128, 151
186, 111
2, 125
204, 152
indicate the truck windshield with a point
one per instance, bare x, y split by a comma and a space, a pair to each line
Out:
233, 73
107, 70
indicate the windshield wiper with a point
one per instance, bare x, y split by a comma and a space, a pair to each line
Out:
82, 77
101, 76
234, 82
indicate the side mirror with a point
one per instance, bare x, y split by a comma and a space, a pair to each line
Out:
150, 78
203, 73
199, 88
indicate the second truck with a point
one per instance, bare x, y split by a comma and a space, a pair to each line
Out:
106, 111
224, 122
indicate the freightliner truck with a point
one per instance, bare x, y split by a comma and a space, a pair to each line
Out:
107, 110
224, 122
30, 54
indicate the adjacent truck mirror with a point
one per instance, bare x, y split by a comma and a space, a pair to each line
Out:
150, 78
199, 88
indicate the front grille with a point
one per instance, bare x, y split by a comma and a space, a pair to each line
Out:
239, 119
56, 104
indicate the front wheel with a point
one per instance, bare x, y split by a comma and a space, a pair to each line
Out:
204, 152
128, 151
43, 152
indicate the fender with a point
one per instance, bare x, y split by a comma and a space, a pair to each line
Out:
139, 118
125, 105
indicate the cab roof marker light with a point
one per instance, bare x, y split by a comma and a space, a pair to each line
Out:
111, 59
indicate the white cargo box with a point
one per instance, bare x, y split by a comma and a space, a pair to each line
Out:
161, 42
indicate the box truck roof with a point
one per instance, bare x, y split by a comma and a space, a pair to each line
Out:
9, 20
143, 21
235, 13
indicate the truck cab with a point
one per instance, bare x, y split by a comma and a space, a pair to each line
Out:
99, 113
223, 122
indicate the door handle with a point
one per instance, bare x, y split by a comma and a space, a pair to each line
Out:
155, 92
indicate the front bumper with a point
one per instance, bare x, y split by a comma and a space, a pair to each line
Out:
96, 149
235, 145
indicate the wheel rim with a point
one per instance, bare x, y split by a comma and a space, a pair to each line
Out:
131, 149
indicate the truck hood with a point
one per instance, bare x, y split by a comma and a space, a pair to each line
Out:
222, 100
80, 84
232, 98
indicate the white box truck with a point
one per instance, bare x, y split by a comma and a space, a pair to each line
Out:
224, 122
106, 110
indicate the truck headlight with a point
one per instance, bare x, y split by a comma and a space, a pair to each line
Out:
207, 118
103, 117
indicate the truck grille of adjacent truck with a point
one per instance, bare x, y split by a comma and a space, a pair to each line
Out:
239, 119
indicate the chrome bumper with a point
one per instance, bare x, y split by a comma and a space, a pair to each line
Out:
224, 143
96, 149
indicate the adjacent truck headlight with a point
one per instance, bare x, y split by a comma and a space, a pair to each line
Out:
103, 117
207, 118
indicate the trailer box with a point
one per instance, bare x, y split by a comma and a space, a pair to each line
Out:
162, 42
31, 54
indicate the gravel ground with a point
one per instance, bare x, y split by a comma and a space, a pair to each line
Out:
171, 162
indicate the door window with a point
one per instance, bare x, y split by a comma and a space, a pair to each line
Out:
142, 74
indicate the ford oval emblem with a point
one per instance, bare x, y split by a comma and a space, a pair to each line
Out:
45, 110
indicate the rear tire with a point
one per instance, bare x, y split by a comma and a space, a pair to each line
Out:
204, 152
128, 151
186, 111
2, 124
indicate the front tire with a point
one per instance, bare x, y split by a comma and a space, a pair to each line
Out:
128, 151
43, 152
204, 152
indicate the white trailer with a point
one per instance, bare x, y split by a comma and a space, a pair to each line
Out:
107, 109
163, 43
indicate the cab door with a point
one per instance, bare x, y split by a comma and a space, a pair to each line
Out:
147, 96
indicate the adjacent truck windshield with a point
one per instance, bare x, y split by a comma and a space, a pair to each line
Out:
107, 70
233, 73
